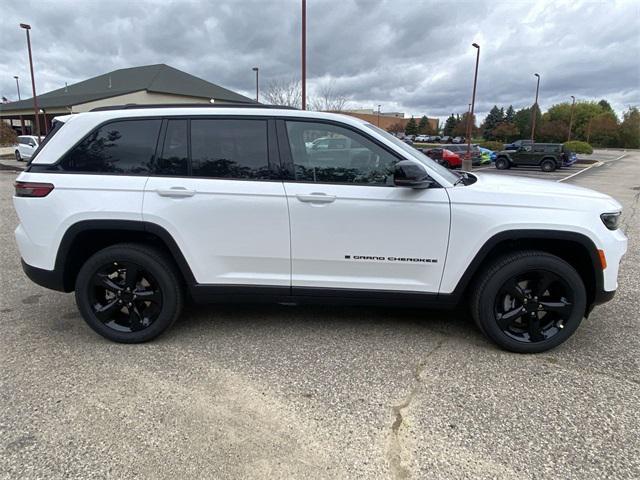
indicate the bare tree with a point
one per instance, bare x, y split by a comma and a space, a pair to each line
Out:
287, 93
328, 99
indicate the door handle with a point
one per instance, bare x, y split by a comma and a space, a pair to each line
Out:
316, 197
175, 192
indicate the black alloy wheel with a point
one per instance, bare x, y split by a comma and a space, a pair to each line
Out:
548, 166
534, 306
502, 163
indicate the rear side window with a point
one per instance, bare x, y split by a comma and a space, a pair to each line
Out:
174, 159
235, 149
126, 147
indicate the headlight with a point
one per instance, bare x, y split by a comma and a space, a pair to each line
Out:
611, 220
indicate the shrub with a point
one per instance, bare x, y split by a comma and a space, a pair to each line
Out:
495, 146
579, 147
7, 135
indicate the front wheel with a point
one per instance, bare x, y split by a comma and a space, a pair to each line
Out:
548, 166
529, 301
502, 163
129, 293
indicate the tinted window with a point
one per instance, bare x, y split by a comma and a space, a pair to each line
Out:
223, 148
120, 147
175, 152
348, 157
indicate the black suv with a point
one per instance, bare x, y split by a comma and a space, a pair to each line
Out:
547, 156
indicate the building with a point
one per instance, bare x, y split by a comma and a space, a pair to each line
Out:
390, 121
149, 84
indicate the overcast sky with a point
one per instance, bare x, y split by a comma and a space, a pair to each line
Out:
413, 56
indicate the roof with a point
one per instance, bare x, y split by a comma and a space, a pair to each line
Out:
158, 78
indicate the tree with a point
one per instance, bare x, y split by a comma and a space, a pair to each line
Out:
554, 131
523, 120
606, 106
449, 125
493, 119
396, 127
328, 99
287, 93
604, 130
460, 130
630, 128
411, 127
510, 114
506, 132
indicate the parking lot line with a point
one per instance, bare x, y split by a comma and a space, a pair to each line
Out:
581, 171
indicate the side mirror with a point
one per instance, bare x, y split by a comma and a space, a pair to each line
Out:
411, 174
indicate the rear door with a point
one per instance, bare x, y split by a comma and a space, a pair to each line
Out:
351, 228
216, 190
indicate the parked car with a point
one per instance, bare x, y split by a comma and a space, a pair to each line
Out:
487, 154
422, 138
457, 140
407, 140
445, 139
444, 157
136, 209
547, 156
461, 150
26, 146
409, 137
517, 144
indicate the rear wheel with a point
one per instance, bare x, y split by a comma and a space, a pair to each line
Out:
502, 163
529, 302
548, 165
129, 293
18, 156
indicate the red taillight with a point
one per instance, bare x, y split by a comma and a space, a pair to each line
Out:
33, 189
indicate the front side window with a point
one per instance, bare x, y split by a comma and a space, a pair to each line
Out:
326, 153
126, 147
235, 149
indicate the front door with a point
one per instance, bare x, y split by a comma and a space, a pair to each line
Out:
350, 226
221, 201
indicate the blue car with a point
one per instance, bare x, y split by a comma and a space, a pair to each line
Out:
485, 151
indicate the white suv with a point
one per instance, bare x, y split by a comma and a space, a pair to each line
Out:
26, 146
135, 208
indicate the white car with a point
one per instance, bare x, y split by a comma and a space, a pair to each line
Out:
26, 146
422, 138
135, 208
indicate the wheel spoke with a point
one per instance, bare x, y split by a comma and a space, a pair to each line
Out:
535, 332
132, 272
103, 280
562, 307
135, 320
544, 282
513, 289
105, 312
508, 317
152, 296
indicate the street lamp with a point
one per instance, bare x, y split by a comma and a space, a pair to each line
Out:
379, 115
255, 69
573, 104
304, 54
33, 81
535, 109
466, 163
17, 86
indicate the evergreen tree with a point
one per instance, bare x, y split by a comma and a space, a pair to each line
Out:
449, 125
423, 124
606, 106
493, 119
412, 127
510, 115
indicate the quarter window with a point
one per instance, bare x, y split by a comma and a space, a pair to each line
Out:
326, 153
236, 149
126, 147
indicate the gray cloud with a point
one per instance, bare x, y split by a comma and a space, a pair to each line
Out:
410, 56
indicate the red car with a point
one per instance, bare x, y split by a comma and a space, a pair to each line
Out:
444, 157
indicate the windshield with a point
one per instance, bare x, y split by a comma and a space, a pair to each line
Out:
416, 154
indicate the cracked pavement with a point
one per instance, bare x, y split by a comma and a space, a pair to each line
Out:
317, 392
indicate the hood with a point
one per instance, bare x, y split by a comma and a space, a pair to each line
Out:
512, 190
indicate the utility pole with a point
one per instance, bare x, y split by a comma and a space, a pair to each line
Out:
535, 109
36, 114
255, 69
304, 54
573, 104
466, 163
17, 87
378, 115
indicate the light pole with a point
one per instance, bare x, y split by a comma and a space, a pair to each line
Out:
304, 54
255, 69
573, 104
379, 115
17, 86
36, 117
535, 109
466, 163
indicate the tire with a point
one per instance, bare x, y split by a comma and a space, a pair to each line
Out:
18, 156
546, 307
502, 163
548, 165
129, 307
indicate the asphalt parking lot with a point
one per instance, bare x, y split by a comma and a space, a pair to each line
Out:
318, 392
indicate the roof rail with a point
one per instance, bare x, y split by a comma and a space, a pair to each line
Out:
133, 106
